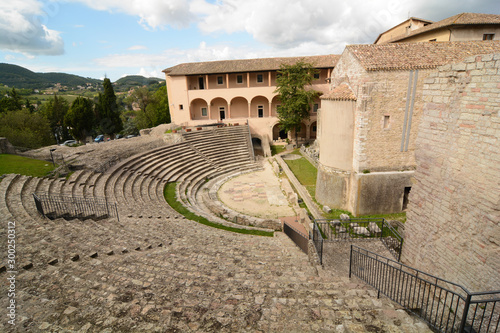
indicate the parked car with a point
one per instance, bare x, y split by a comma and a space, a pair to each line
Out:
130, 136
69, 143
99, 138
118, 136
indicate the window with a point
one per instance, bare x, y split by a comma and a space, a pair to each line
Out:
433, 40
201, 83
239, 79
181, 107
314, 128
260, 78
204, 112
220, 80
316, 76
488, 36
260, 111
387, 121
315, 107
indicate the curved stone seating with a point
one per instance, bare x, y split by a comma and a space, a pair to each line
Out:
44, 242
170, 274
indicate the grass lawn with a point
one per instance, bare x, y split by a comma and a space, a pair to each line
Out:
305, 172
275, 149
169, 194
24, 166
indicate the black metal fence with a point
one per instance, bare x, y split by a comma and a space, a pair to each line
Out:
444, 305
347, 230
56, 206
318, 239
299, 238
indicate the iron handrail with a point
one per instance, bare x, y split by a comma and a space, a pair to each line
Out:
439, 299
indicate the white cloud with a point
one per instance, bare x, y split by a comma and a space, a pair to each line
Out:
290, 24
137, 47
22, 29
152, 13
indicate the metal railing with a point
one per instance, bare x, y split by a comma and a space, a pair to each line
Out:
55, 206
347, 230
301, 240
444, 305
318, 239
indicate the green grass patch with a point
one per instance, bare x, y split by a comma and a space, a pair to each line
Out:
24, 166
395, 216
169, 194
170, 130
277, 149
305, 173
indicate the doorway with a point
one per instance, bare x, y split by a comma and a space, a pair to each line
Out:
222, 113
406, 197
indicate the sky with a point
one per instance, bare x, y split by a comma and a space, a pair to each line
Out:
114, 38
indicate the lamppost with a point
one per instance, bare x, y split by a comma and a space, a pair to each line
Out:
52, 157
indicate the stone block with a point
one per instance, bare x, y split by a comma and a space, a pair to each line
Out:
327, 209
361, 231
344, 217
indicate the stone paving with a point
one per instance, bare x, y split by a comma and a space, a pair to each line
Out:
257, 194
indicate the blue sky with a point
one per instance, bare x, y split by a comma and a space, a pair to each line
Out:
94, 38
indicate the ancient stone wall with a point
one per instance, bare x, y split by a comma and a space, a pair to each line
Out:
6, 147
453, 228
381, 93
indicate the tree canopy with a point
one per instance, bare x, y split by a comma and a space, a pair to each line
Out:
80, 118
54, 111
296, 99
154, 109
107, 113
26, 130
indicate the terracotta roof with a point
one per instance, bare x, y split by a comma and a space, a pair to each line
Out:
340, 93
459, 19
418, 55
248, 65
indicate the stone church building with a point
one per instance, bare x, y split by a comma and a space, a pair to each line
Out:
369, 120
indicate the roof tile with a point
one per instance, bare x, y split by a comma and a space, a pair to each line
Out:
418, 55
248, 65
340, 93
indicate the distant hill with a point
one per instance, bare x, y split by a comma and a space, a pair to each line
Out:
20, 77
129, 81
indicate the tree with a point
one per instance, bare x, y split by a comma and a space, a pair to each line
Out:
26, 130
80, 118
160, 104
54, 111
296, 99
107, 113
11, 102
154, 109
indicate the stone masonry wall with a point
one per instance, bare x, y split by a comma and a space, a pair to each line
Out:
453, 228
379, 94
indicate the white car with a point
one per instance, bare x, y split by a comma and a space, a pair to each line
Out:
69, 143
